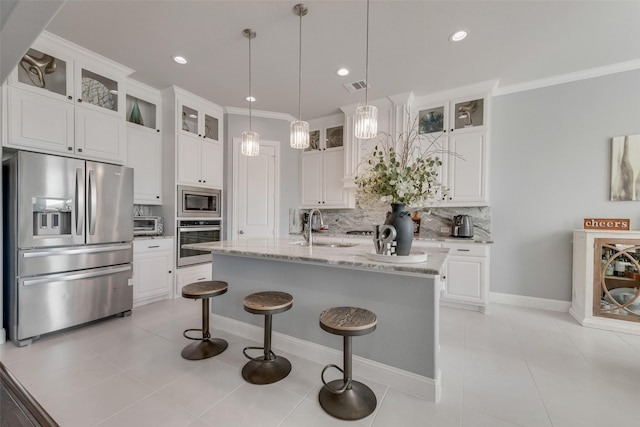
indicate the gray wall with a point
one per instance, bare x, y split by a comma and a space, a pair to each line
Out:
270, 130
550, 167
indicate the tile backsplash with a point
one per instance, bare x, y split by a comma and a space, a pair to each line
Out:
142, 210
433, 221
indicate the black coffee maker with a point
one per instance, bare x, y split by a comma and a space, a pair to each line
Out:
462, 226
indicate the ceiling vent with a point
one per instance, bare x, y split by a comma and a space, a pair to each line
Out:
356, 86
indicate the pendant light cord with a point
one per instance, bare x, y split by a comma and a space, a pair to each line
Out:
250, 94
300, 72
366, 72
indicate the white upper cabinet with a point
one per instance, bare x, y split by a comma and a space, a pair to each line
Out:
199, 119
323, 165
65, 99
458, 130
144, 142
200, 150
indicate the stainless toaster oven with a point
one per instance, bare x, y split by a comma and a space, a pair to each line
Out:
147, 226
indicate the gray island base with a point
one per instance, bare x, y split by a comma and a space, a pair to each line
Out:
403, 350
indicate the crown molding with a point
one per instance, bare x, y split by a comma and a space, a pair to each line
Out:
259, 113
569, 77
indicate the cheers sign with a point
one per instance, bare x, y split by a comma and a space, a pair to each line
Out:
606, 223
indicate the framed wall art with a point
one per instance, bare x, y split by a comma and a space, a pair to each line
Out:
625, 168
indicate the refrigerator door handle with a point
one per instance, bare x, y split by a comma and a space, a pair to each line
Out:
77, 251
93, 202
79, 201
69, 277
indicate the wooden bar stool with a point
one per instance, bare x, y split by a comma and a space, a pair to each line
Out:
347, 399
268, 368
206, 346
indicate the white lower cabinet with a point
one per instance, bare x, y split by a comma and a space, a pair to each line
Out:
194, 273
466, 275
152, 270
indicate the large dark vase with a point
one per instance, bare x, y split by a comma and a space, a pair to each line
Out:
400, 218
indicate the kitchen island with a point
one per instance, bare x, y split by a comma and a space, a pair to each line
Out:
405, 297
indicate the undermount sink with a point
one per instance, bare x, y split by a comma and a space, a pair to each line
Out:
327, 244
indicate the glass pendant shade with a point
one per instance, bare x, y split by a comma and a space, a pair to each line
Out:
250, 143
299, 134
366, 123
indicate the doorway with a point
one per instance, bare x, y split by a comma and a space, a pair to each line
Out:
256, 192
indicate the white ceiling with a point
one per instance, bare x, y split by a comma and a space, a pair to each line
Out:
513, 41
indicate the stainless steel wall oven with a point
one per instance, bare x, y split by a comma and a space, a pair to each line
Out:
196, 231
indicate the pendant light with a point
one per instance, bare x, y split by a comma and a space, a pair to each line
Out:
299, 129
250, 140
366, 120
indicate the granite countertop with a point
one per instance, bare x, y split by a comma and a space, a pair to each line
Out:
349, 257
478, 237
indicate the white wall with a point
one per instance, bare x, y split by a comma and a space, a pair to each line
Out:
272, 130
550, 167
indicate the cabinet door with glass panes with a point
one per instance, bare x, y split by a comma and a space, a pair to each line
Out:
199, 120
322, 165
616, 287
456, 132
49, 86
144, 142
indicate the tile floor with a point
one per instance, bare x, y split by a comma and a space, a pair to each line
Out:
515, 367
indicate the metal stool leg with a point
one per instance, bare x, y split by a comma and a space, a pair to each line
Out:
268, 368
207, 346
346, 399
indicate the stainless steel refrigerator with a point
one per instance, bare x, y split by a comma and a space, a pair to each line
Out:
68, 243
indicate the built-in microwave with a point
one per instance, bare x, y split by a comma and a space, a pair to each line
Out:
198, 202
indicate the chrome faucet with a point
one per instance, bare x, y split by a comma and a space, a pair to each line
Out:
307, 234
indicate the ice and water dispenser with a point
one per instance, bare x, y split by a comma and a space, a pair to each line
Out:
51, 217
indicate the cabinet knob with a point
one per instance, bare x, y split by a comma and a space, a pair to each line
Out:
450, 198
199, 134
79, 100
70, 148
157, 197
204, 180
199, 180
79, 150
169, 271
70, 97
451, 130
157, 130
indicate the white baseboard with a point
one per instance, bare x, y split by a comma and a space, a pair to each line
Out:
531, 302
418, 385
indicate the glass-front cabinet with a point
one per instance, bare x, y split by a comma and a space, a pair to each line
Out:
45, 72
323, 165
616, 291
197, 121
63, 98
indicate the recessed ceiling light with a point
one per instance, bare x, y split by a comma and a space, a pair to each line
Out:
180, 59
250, 99
193, 116
342, 72
458, 35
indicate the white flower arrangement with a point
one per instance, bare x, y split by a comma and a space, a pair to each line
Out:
402, 171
